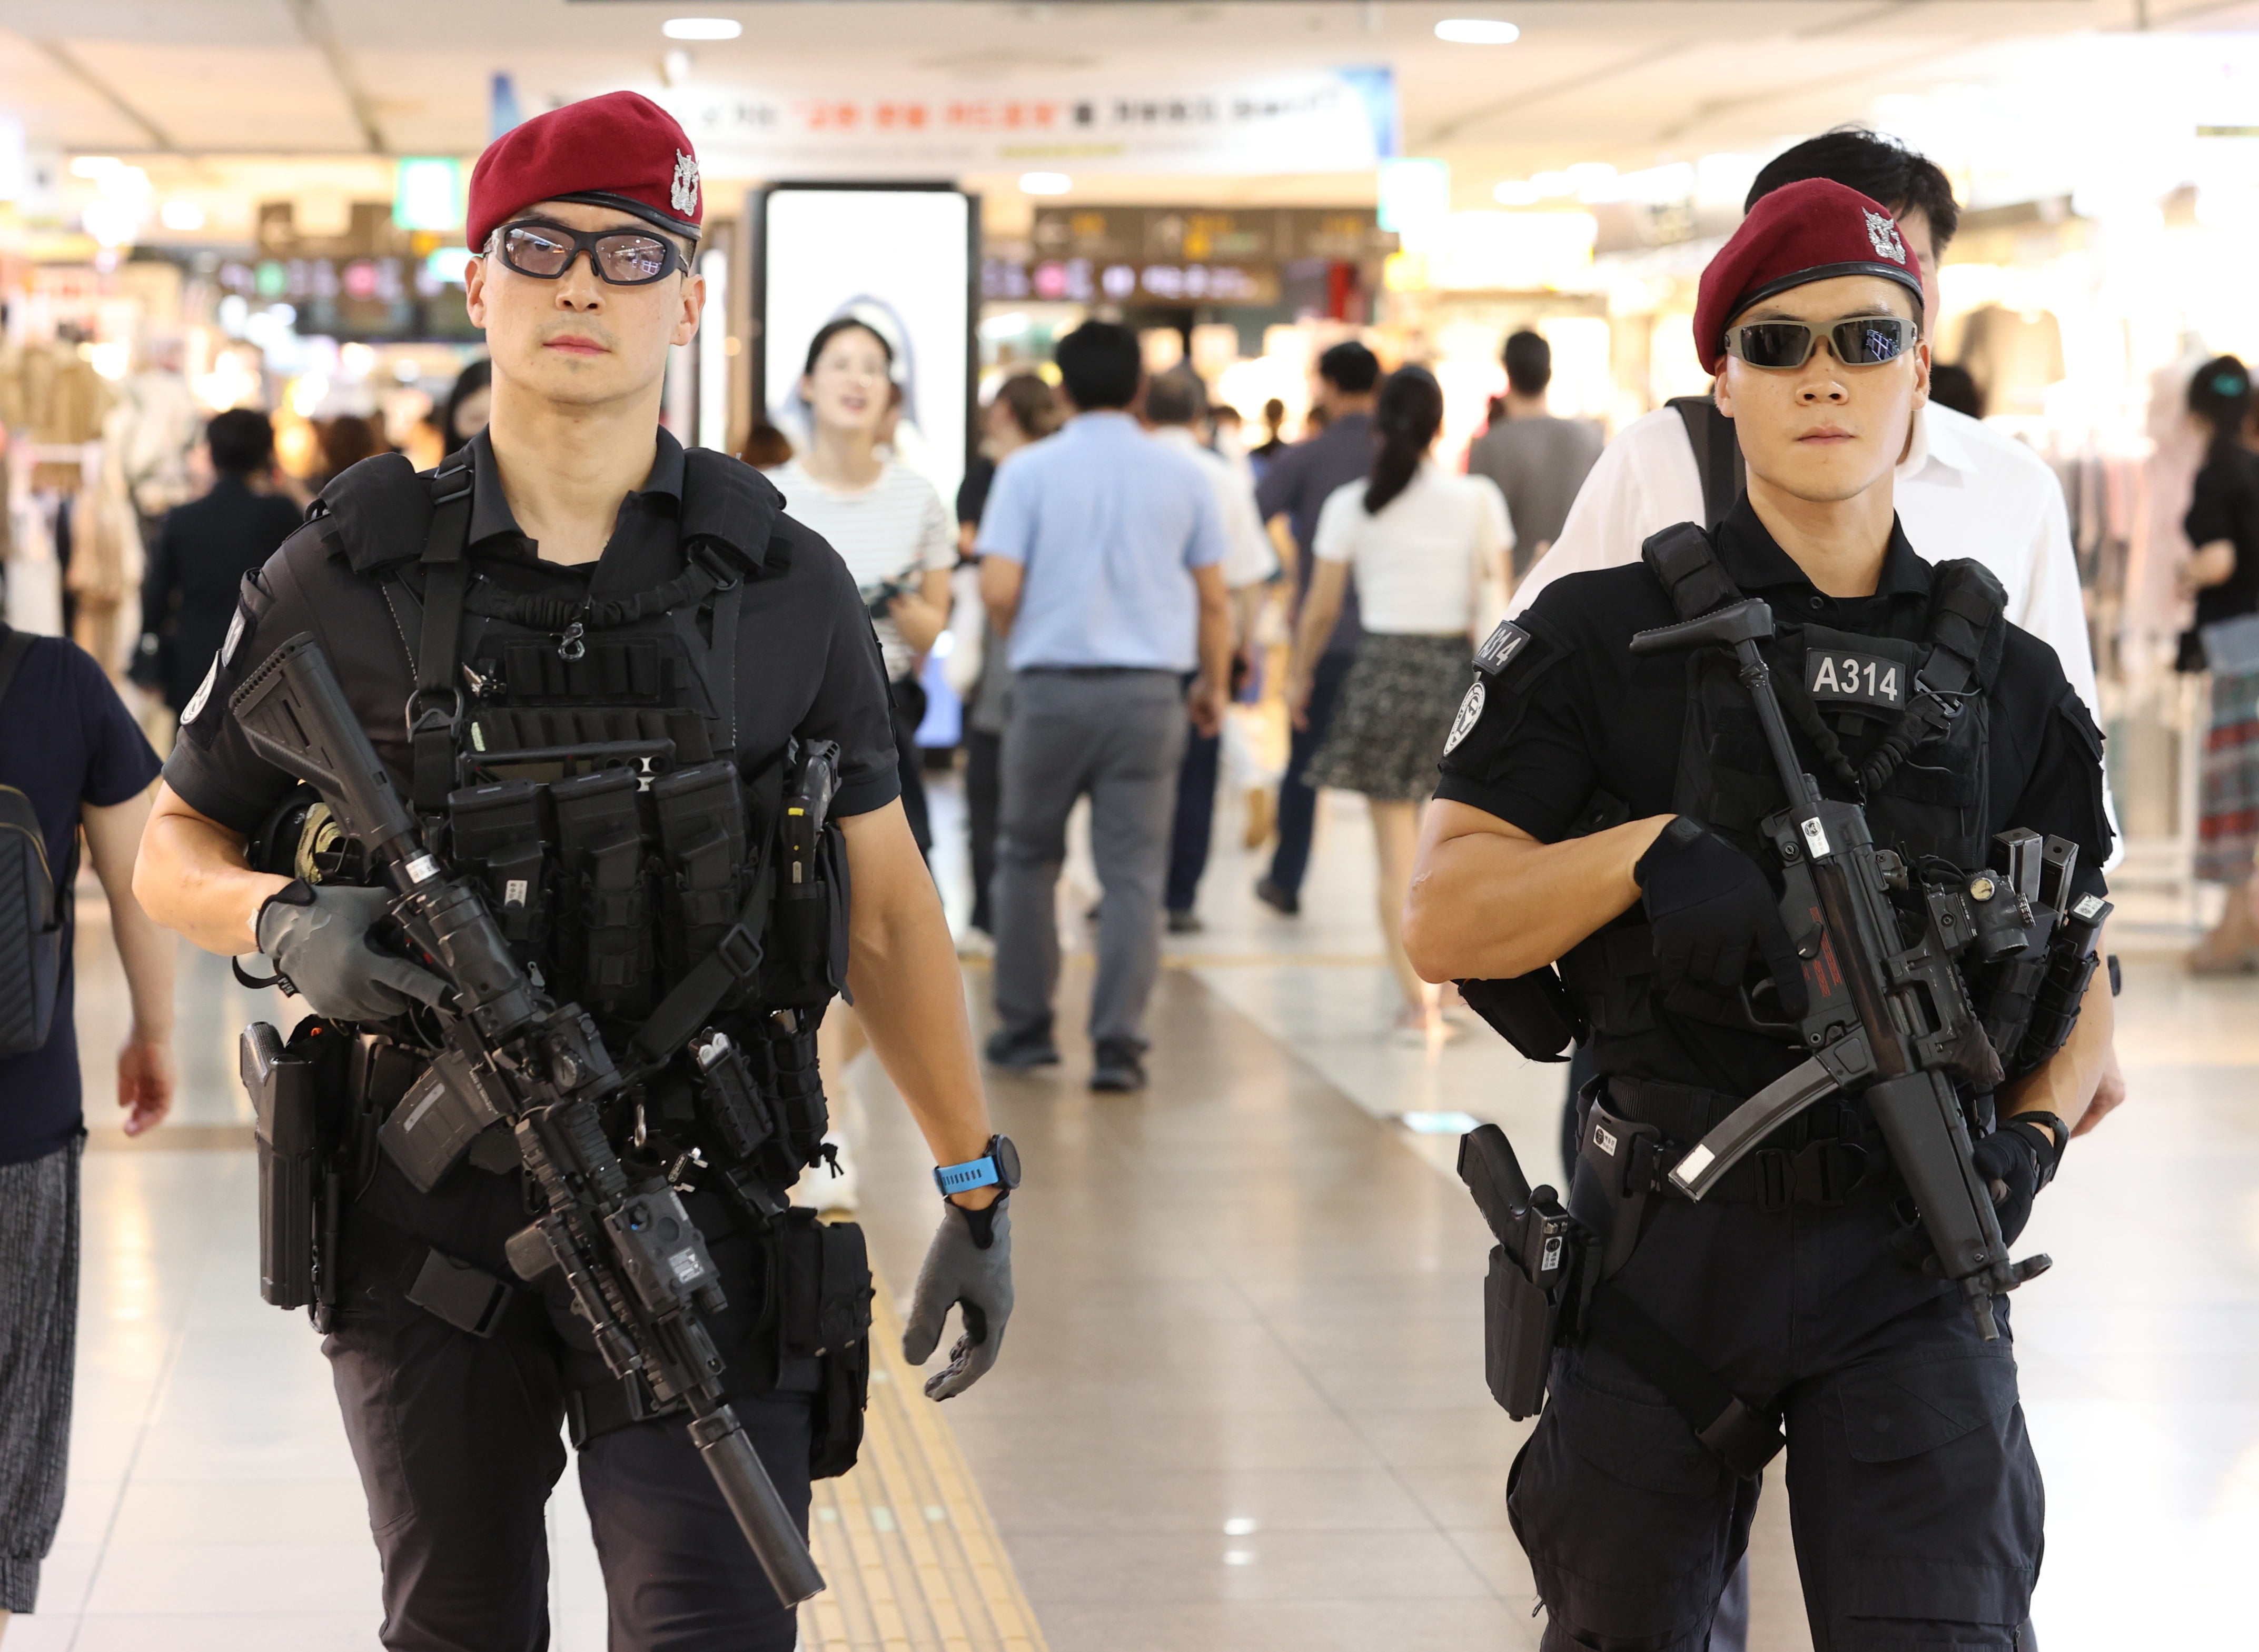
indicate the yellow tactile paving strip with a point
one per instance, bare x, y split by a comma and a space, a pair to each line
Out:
905, 1542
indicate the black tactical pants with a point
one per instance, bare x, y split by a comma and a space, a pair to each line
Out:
1913, 1494
459, 1441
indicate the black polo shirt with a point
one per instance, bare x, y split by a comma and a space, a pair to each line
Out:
1576, 715
806, 661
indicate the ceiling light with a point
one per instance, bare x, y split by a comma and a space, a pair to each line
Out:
1476, 31
182, 215
1045, 183
702, 28
95, 165
1553, 183
1516, 192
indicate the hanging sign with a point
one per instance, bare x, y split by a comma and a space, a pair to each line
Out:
1327, 120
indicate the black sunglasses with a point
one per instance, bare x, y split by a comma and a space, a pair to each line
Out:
1859, 341
624, 257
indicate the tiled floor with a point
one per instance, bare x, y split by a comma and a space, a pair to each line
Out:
1241, 1407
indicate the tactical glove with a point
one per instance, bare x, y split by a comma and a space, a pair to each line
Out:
318, 938
968, 1265
1710, 906
2017, 1160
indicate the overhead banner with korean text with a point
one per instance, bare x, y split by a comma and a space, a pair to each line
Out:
1327, 120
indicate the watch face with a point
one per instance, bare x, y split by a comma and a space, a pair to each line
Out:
1008, 1162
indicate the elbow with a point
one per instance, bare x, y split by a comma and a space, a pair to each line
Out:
1428, 945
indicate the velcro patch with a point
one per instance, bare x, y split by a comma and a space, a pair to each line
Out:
1499, 648
1869, 679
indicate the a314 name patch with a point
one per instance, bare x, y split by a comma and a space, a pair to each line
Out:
1869, 679
1499, 648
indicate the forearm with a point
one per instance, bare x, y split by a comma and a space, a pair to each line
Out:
908, 993
1215, 644
2064, 1083
145, 951
1488, 906
191, 878
1320, 613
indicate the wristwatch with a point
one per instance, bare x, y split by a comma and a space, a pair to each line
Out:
998, 1166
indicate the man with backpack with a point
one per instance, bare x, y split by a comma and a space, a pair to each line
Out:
71, 758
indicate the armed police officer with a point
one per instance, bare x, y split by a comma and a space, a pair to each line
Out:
640, 712
1629, 812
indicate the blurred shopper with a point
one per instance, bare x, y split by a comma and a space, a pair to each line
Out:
1274, 443
1419, 545
2223, 525
1175, 404
347, 440
468, 405
1101, 561
885, 520
887, 524
1296, 487
203, 549
1537, 461
1024, 409
765, 447
70, 759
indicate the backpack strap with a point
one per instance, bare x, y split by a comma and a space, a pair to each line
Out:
1717, 455
14, 644
1967, 606
437, 706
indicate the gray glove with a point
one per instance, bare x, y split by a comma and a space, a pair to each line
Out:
968, 1265
318, 938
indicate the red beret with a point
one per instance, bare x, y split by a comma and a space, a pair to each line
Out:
620, 150
1810, 231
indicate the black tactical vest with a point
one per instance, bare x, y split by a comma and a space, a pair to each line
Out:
1899, 723
578, 756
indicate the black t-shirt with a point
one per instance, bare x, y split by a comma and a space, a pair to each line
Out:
67, 741
1576, 715
203, 553
807, 660
2225, 506
972, 491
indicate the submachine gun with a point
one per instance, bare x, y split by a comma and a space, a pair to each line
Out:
637, 1267
1890, 1018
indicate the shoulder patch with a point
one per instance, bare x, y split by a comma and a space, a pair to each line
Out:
1471, 710
1499, 648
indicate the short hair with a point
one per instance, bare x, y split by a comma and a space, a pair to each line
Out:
1177, 397
1030, 403
1350, 367
1101, 364
833, 328
1956, 387
1528, 363
242, 441
1876, 165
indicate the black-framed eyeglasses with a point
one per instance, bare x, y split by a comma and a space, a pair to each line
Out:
1859, 341
624, 257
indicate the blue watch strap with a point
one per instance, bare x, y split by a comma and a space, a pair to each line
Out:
974, 1172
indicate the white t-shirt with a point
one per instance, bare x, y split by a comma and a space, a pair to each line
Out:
895, 526
1249, 556
1964, 489
1416, 563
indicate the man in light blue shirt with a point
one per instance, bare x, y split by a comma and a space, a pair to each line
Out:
1101, 555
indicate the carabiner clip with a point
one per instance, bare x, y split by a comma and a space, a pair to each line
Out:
570, 647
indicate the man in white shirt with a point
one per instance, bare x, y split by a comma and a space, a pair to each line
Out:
1176, 402
1963, 489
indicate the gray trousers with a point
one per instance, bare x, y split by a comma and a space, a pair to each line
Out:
1118, 736
38, 1334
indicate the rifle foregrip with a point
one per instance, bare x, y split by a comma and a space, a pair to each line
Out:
752, 1497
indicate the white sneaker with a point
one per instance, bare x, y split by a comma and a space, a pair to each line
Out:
828, 1187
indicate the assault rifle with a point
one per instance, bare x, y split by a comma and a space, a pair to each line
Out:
1888, 1020
637, 1265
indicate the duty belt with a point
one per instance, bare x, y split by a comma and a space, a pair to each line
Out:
1829, 1154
